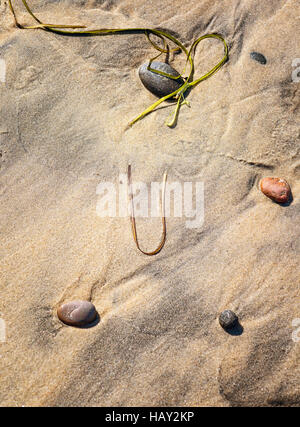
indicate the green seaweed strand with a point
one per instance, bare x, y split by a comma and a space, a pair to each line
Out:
162, 35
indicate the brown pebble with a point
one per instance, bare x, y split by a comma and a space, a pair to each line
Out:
77, 313
276, 189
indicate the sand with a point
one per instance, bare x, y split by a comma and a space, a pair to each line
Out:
64, 107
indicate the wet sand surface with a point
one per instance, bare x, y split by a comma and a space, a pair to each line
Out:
64, 107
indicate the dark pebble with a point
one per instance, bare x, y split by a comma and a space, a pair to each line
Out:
228, 319
276, 189
159, 85
259, 57
77, 313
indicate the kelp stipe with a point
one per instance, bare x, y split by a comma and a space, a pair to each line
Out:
132, 216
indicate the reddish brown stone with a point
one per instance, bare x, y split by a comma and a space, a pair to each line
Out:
276, 189
77, 313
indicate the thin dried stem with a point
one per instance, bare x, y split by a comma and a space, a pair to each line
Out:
132, 216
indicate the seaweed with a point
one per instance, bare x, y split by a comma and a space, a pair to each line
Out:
164, 36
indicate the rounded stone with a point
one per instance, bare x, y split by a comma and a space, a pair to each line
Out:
259, 57
276, 189
228, 319
77, 313
159, 85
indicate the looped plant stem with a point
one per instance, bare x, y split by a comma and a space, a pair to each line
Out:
132, 216
162, 35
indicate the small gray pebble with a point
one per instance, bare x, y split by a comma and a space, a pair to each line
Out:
77, 313
228, 319
159, 85
259, 57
